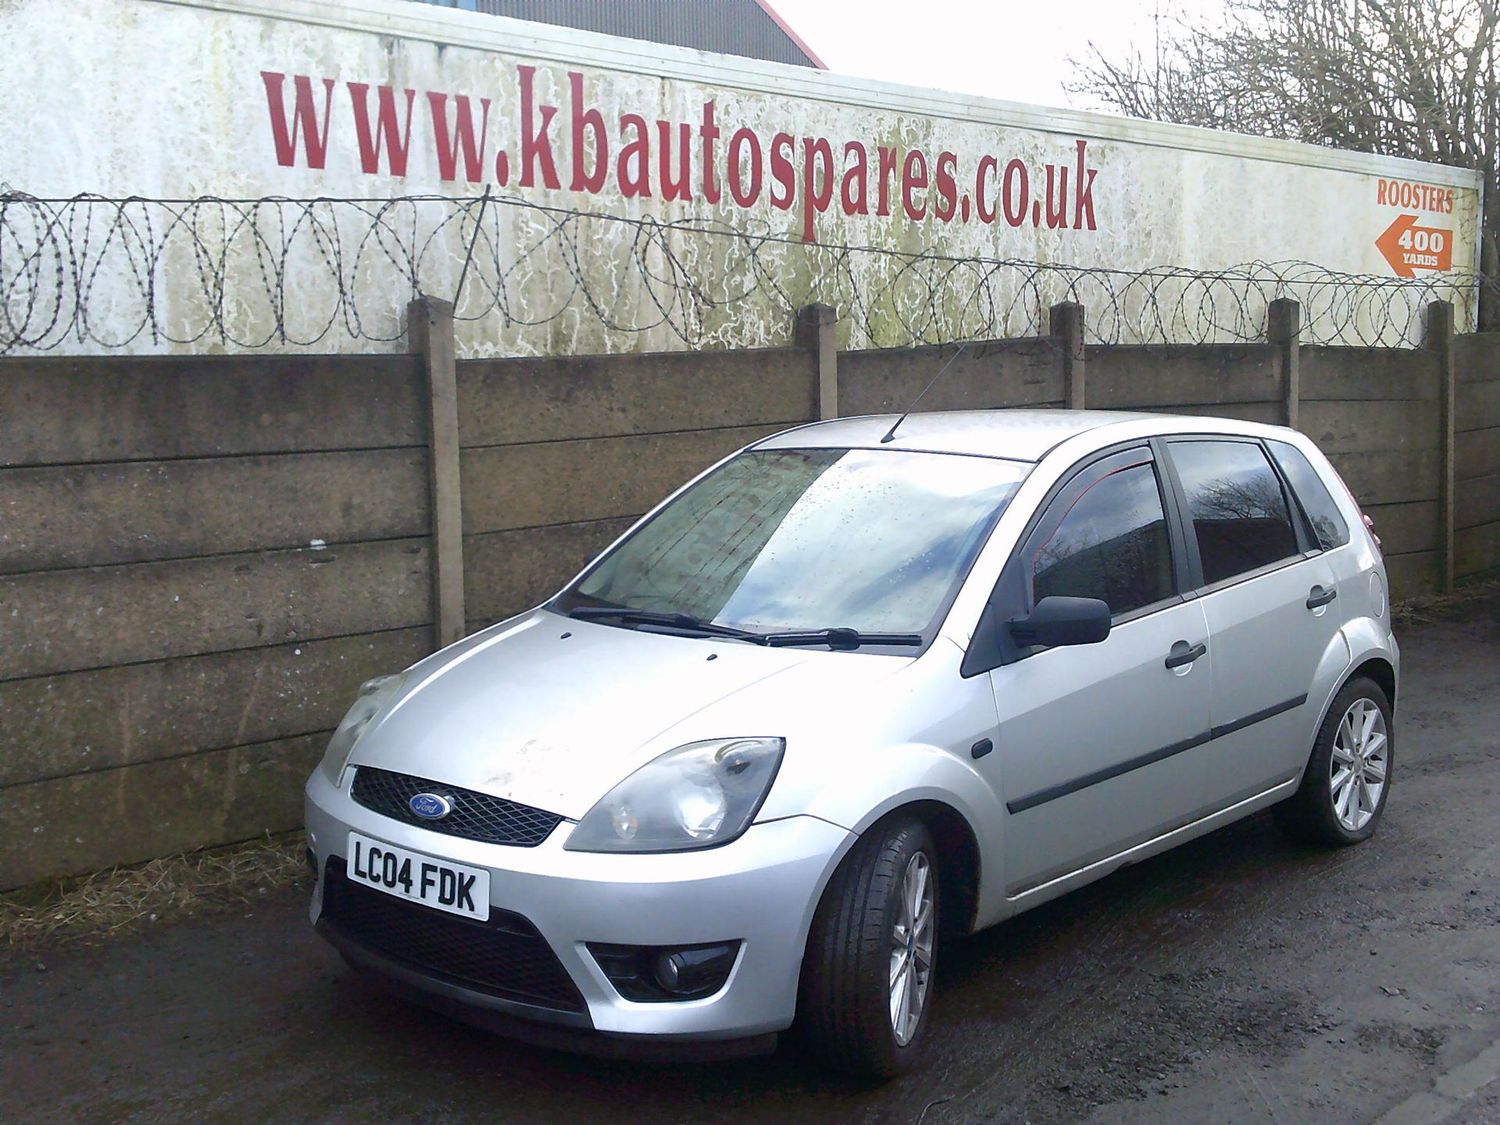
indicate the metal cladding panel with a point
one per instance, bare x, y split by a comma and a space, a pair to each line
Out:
730, 27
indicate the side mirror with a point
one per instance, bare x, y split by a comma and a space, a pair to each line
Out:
1063, 621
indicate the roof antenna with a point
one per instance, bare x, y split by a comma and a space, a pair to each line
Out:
891, 433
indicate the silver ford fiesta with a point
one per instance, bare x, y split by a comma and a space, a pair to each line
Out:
862, 686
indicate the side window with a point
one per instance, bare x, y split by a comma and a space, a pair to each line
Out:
1112, 545
1328, 524
1235, 501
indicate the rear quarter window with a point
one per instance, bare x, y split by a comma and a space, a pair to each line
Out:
1327, 522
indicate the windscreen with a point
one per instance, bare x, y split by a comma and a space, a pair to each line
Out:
873, 540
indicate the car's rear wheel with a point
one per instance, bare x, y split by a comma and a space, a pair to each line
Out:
868, 973
1348, 777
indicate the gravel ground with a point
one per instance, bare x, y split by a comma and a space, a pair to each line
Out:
1239, 978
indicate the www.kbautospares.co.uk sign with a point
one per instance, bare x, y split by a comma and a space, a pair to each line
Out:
631, 157
303, 98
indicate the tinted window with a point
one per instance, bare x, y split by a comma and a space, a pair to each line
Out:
1236, 504
1112, 545
1328, 524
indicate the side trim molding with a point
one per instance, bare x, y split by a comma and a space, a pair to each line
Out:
1084, 781
1055, 886
1259, 716
1073, 785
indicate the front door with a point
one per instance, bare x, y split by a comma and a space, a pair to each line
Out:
1094, 745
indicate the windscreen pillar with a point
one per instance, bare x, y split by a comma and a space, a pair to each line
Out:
1438, 339
1284, 330
429, 331
815, 332
1065, 324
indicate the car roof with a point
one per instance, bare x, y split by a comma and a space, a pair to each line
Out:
1015, 435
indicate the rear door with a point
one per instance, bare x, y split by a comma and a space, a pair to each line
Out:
1094, 751
1268, 596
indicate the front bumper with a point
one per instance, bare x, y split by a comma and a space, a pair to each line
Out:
760, 890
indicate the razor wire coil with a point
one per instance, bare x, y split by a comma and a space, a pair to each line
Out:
89, 272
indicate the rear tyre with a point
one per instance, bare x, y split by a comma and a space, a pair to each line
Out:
1348, 777
868, 972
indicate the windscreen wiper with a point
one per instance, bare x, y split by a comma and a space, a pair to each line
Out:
685, 622
839, 638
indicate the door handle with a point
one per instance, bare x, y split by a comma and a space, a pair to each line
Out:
1184, 653
1320, 596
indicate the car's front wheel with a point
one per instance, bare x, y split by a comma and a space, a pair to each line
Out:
867, 976
1348, 777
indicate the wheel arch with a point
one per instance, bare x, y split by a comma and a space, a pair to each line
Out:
1312, 814
949, 795
847, 986
960, 864
1373, 666
1376, 666
1379, 669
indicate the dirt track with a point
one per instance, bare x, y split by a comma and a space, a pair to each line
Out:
1240, 978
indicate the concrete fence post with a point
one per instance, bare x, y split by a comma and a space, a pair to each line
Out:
815, 331
1284, 329
429, 331
1438, 338
1065, 321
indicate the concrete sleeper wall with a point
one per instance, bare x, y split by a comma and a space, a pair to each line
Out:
559, 456
174, 649
1375, 412
1477, 453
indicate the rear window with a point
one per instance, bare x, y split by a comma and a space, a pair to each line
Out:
1238, 510
1327, 524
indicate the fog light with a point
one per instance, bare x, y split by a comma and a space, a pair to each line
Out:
695, 972
656, 973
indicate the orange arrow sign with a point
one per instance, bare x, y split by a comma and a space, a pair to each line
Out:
1408, 247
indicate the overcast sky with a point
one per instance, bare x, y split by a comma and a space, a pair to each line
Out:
997, 48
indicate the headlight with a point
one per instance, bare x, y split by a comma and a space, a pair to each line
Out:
373, 697
696, 796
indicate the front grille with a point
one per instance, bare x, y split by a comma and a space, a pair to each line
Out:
475, 816
503, 957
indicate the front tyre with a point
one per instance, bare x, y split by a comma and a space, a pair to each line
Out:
1348, 777
867, 975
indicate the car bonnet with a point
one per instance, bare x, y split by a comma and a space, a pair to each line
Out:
553, 712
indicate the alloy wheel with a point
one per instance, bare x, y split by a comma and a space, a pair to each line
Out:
1357, 768
911, 949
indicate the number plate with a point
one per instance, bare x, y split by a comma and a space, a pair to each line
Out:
438, 883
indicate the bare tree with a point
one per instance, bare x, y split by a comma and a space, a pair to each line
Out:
1413, 78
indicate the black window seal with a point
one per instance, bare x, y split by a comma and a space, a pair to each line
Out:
1307, 540
1148, 609
1190, 571
1251, 575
